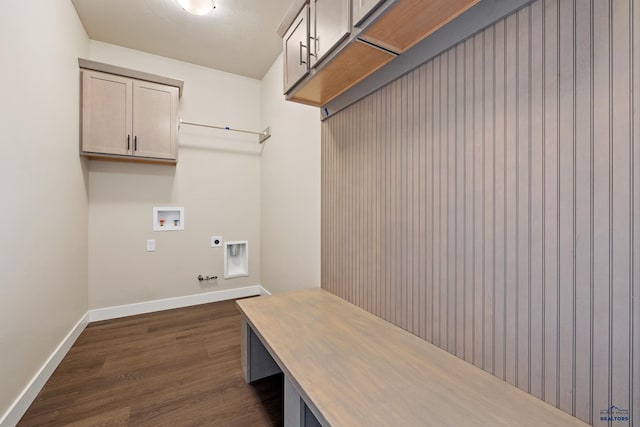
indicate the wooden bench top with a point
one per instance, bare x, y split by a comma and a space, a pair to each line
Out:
355, 369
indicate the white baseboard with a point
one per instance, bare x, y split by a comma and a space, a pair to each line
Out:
177, 302
22, 403
264, 292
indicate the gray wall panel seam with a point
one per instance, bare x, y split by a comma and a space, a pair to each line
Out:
610, 176
504, 186
493, 210
592, 207
632, 208
559, 242
517, 210
574, 236
544, 200
529, 214
484, 140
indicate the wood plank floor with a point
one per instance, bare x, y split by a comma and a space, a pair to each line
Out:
172, 368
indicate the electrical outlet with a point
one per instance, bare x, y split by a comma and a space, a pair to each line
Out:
216, 241
151, 245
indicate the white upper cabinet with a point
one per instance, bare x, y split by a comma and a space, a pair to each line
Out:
349, 40
155, 113
128, 119
363, 8
330, 23
296, 50
107, 125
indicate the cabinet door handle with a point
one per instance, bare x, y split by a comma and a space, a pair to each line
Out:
301, 61
135, 143
315, 47
128, 142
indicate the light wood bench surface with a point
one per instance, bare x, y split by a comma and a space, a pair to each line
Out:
354, 369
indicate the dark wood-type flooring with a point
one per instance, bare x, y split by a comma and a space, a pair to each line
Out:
172, 368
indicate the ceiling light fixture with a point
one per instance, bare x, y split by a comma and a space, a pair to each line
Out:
197, 7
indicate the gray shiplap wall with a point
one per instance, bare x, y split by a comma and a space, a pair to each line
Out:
488, 202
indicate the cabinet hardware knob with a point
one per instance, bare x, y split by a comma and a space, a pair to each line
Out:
128, 142
135, 143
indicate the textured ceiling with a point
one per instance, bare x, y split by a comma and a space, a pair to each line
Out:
239, 36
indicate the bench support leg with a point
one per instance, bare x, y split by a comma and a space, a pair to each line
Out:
257, 363
296, 412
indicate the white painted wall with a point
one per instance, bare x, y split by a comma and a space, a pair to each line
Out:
290, 186
73, 232
43, 230
217, 181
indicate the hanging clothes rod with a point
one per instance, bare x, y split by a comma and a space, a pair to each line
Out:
262, 136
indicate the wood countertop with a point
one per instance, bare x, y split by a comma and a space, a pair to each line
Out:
355, 369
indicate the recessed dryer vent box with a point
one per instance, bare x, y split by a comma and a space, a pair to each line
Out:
236, 259
168, 219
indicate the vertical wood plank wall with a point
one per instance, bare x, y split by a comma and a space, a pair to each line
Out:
488, 202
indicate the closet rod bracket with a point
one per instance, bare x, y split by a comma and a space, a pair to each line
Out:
266, 134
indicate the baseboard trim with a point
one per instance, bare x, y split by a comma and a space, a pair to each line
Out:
264, 292
170, 303
28, 395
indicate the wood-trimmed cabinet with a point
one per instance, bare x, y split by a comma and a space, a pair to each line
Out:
362, 9
329, 24
375, 33
296, 49
128, 119
316, 30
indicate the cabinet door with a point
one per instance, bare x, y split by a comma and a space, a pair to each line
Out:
363, 8
296, 50
106, 113
155, 120
330, 24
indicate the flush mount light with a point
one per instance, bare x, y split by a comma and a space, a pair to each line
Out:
197, 7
